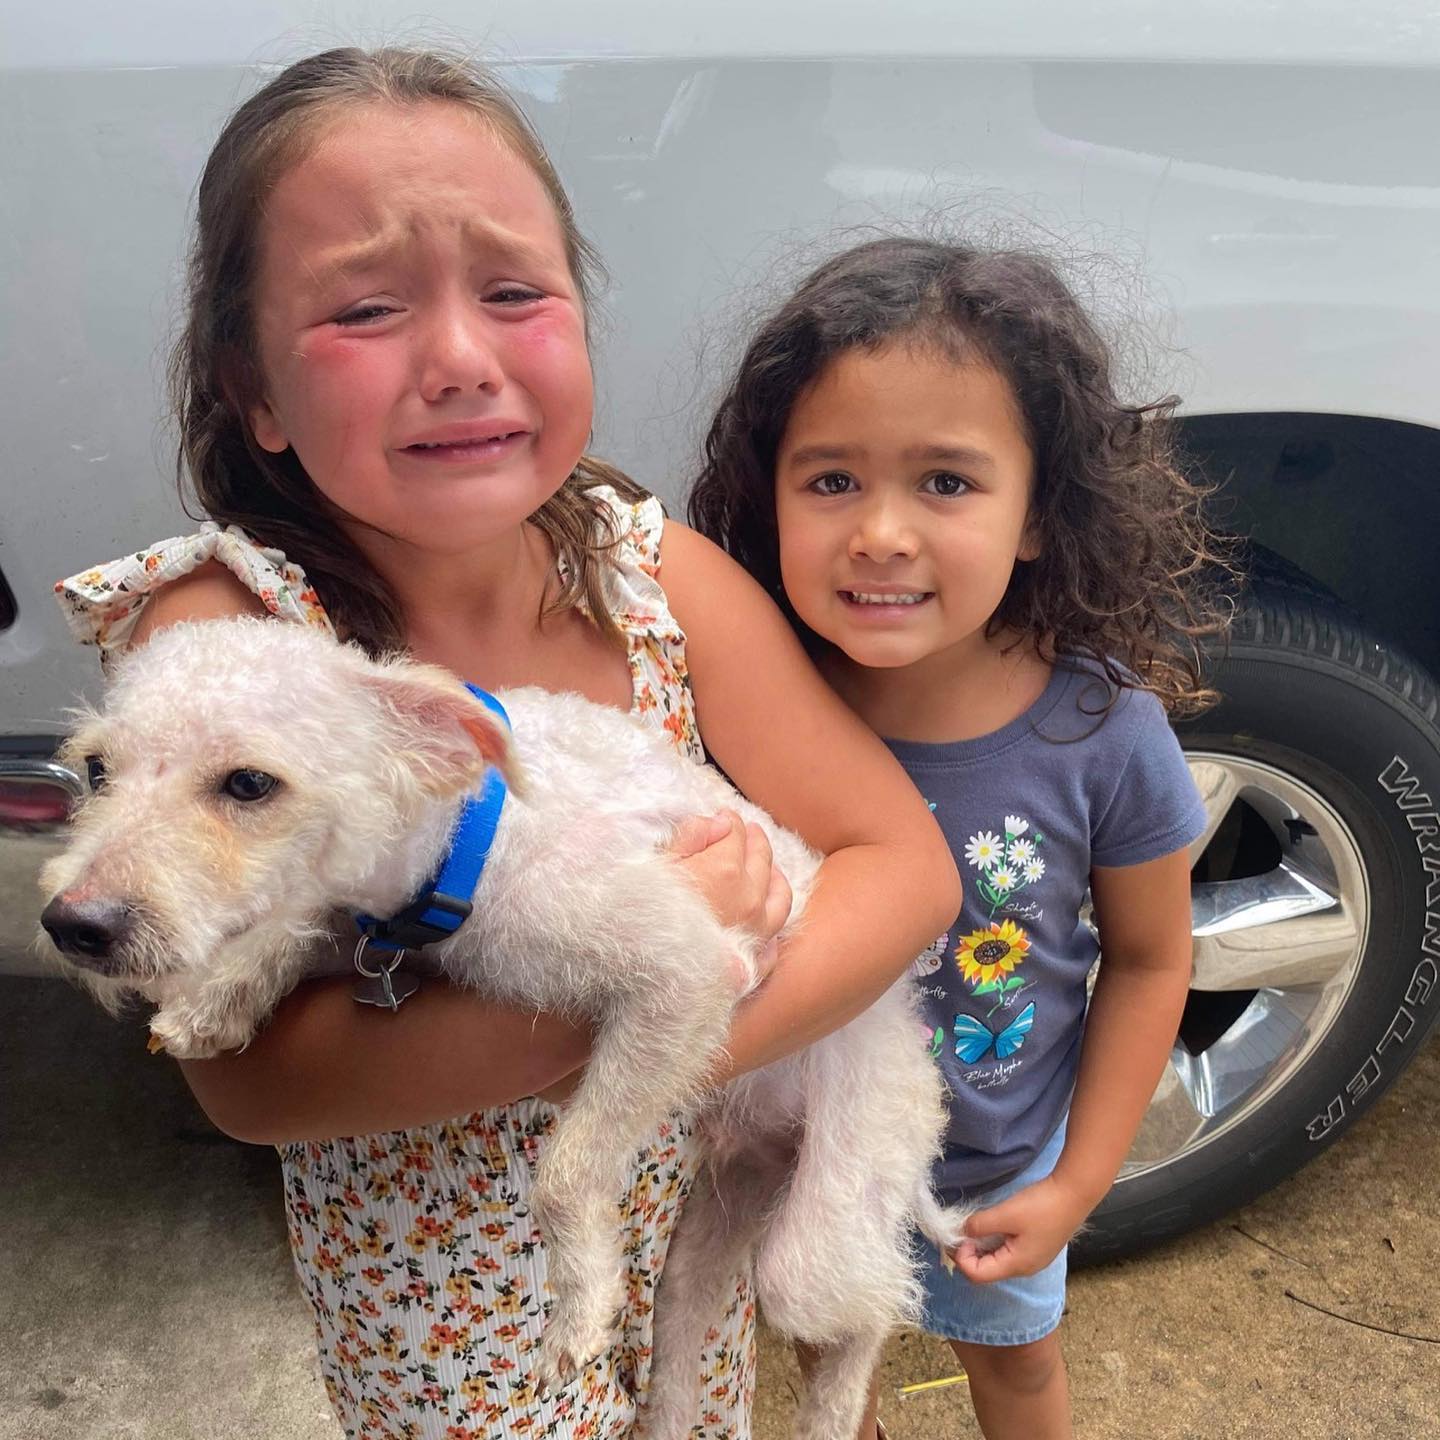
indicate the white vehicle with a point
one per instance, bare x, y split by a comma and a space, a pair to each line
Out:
1274, 175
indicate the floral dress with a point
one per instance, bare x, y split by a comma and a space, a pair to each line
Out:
417, 1249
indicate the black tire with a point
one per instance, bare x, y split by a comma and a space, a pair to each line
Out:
1308, 691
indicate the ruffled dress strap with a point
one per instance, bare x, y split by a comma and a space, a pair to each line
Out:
102, 605
655, 643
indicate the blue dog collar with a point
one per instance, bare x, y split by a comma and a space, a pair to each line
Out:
439, 910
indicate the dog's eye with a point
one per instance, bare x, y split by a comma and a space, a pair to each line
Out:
95, 771
249, 784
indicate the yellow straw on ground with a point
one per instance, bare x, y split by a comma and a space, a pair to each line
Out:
920, 1386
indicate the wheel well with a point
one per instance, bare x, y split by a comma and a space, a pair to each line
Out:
1352, 501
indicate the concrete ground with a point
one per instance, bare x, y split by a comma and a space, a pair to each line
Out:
147, 1289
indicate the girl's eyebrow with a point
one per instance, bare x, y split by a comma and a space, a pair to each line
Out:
344, 262
972, 459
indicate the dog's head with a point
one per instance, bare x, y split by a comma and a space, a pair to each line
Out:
249, 777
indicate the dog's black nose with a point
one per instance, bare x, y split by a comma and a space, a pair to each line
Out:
86, 930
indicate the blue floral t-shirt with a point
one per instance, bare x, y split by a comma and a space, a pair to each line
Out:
1028, 810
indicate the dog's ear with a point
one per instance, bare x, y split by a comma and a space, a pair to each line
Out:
446, 737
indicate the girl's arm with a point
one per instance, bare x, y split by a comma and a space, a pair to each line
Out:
325, 1066
889, 884
1143, 914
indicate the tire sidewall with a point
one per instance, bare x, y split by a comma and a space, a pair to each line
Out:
1377, 763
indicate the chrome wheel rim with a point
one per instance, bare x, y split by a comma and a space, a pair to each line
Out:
1290, 939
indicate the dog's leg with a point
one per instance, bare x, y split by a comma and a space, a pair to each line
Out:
712, 1244
839, 1387
651, 1054
823, 1271
225, 1013
836, 1255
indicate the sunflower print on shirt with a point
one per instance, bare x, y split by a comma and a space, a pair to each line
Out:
989, 958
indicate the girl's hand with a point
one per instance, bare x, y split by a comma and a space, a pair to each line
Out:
730, 863
1022, 1234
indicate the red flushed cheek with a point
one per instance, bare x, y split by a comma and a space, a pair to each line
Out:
328, 351
333, 379
553, 333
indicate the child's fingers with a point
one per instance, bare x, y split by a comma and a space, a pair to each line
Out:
760, 872
982, 1267
733, 871
981, 1247
986, 1244
778, 900
700, 832
1013, 1255
996, 1220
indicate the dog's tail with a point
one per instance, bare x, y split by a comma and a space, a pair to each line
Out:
942, 1225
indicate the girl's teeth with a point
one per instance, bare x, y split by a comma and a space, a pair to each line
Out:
860, 598
456, 444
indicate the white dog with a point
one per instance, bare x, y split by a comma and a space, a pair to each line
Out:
252, 778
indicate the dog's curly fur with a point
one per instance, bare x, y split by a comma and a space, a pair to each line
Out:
817, 1166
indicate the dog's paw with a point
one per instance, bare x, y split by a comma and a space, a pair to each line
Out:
552, 1373
182, 1031
176, 1037
569, 1344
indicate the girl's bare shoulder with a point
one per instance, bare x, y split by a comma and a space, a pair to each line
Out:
209, 592
697, 575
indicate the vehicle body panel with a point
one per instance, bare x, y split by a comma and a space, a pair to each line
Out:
1261, 195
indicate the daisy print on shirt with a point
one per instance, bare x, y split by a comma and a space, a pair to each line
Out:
1006, 866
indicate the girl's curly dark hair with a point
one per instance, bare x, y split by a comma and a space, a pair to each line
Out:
1128, 572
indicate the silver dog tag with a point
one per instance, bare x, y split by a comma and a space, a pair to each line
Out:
387, 985
389, 989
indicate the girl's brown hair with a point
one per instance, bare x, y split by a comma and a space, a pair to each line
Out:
1128, 572
215, 374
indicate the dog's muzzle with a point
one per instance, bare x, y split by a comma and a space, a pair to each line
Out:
89, 932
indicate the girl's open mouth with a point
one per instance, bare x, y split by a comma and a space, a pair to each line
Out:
474, 448
886, 601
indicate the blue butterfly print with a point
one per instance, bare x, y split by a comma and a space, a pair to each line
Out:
973, 1038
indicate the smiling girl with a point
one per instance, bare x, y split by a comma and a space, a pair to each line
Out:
996, 564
